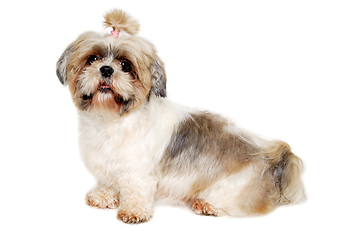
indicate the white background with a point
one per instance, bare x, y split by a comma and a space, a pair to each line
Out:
284, 69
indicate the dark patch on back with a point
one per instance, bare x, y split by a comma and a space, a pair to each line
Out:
194, 135
203, 134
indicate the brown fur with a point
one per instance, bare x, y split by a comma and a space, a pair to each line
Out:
277, 182
129, 90
287, 169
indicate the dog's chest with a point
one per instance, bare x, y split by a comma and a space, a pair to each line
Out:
131, 145
110, 148
105, 141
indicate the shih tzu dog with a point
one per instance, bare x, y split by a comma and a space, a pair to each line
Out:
142, 147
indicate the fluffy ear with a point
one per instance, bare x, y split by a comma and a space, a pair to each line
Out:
158, 78
61, 65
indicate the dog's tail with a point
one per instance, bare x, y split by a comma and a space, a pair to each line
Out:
285, 169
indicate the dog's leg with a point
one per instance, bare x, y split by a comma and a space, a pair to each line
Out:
137, 200
103, 197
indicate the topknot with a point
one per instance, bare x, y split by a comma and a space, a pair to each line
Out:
121, 21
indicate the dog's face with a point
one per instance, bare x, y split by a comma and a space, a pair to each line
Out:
110, 73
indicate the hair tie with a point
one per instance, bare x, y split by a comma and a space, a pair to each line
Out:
115, 33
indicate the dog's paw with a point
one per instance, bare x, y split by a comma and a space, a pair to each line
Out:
132, 217
203, 208
103, 198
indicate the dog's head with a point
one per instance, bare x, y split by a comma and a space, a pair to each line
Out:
114, 72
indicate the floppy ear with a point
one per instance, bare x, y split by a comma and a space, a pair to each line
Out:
158, 78
61, 65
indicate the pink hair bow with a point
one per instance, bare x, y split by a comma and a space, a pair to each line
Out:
115, 33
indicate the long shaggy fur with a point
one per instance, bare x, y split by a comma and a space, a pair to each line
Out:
141, 147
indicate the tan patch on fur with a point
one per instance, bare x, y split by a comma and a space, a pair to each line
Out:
258, 199
202, 208
197, 187
277, 182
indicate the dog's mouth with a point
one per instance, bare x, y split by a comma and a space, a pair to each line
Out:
104, 88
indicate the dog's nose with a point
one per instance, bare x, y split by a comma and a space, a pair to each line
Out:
106, 71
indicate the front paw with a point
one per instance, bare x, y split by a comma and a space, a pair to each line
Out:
133, 217
103, 198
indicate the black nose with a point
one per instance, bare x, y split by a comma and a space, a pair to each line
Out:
106, 71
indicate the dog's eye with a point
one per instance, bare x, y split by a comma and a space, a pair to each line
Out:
92, 59
125, 65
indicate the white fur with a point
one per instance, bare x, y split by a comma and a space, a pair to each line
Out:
224, 195
122, 152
